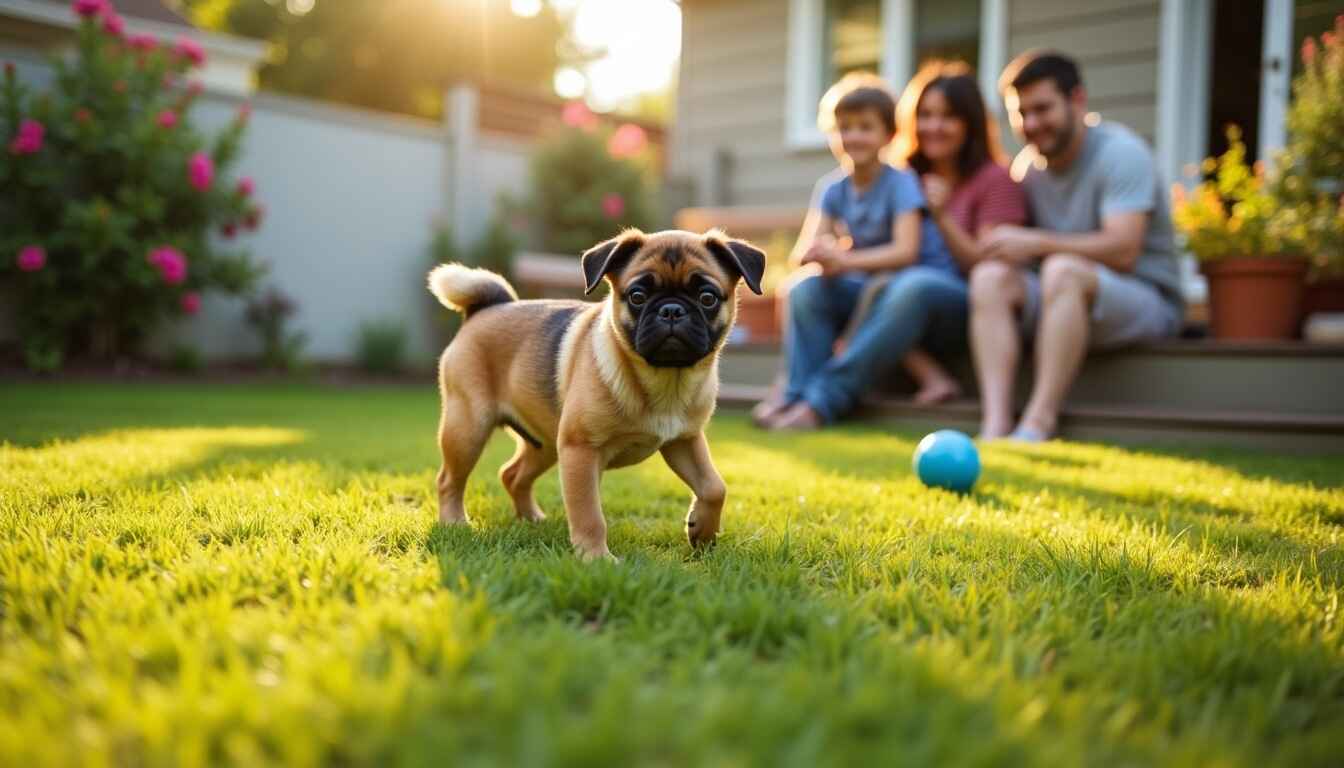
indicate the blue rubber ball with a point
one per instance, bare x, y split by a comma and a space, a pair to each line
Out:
947, 459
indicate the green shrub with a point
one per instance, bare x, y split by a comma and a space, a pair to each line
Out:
109, 195
268, 314
186, 358
381, 346
587, 187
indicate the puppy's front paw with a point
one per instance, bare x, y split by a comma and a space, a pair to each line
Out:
592, 554
699, 533
532, 514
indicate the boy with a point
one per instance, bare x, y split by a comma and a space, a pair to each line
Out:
865, 221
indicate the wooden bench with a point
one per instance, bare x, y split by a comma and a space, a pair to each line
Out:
547, 275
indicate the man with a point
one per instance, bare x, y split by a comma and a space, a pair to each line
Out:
1098, 270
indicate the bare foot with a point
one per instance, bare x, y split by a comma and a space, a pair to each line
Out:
994, 431
937, 391
768, 409
799, 417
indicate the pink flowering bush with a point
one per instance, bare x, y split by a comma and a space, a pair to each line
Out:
589, 182
110, 197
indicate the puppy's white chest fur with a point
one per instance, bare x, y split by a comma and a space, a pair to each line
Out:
662, 403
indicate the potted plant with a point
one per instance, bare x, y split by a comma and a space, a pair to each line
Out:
1249, 247
1311, 167
760, 318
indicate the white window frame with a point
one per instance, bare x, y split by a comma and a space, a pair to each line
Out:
806, 26
1184, 70
1276, 76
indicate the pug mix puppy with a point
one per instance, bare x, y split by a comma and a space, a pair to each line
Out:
595, 386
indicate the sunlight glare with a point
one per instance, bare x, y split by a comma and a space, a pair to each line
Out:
525, 8
641, 40
570, 83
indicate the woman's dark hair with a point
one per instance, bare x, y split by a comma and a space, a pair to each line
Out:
956, 83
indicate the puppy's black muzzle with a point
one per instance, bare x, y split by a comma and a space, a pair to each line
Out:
672, 333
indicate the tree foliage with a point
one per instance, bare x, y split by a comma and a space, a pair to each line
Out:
392, 55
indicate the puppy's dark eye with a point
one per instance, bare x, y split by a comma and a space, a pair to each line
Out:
708, 300
636, 298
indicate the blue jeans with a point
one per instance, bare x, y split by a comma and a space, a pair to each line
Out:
918, 305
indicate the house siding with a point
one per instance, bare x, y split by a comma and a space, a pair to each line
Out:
728, 141
1115, 43
729, 135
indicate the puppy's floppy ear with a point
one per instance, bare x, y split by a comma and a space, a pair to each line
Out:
738, 255
609, 255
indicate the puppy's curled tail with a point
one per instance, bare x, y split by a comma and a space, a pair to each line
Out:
467, 289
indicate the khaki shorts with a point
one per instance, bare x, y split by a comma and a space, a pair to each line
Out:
1126, 310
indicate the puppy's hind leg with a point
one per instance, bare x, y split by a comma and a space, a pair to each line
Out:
463, 431
521, 471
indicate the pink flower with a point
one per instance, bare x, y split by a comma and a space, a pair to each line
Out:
172, 265
88, 8
191, 50
628, 140
194, 89
83, 115
200, 171
168, 119
113, 24
31, 258
143, 42
1308, 50
245, 112
191, 302
229, 230
29, 139
576, 114
613, 205
246, 186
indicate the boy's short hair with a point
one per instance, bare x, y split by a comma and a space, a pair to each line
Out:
856, 92
1037, 65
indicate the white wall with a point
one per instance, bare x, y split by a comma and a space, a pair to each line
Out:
352, 200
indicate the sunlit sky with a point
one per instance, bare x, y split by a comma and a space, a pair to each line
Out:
641, 40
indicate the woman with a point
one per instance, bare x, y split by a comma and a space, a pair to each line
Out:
949, 139
946, 137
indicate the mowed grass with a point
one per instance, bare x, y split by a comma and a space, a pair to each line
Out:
254, 575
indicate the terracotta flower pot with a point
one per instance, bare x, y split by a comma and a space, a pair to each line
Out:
1255, 298
759, 317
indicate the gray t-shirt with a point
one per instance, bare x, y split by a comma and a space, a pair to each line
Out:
1114, 173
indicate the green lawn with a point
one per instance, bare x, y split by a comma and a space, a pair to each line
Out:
207, 574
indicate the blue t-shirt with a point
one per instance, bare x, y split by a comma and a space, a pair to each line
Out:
869, 215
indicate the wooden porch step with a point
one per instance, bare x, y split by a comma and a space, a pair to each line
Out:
1283, 432
1203, 376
